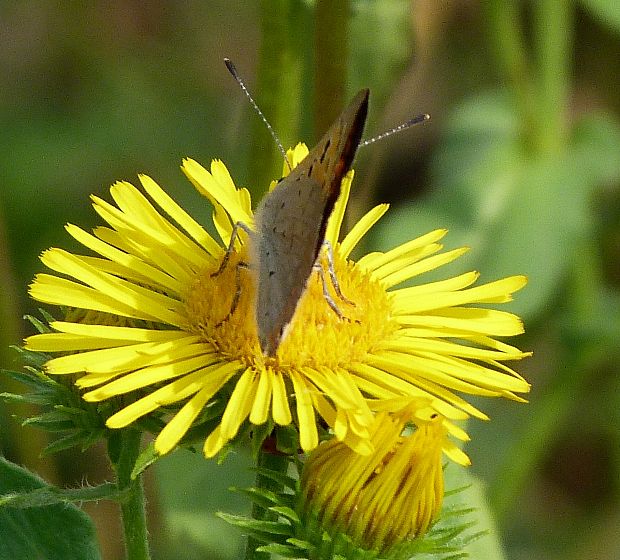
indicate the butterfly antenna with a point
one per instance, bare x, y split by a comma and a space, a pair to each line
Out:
404, 126
235, 75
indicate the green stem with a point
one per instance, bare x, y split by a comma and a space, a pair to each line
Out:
133, 506
553, 39
280, 77
278, 463
331, 48
506, 39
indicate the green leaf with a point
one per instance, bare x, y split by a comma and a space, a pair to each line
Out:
607, 11
305, 545
55, 532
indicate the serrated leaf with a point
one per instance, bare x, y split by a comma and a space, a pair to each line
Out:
55, 532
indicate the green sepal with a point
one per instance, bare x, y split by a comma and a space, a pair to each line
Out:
287, 513
35, 378
12, 398
63, 412
259, 434
307, 538
53, 421
279, 477
264, 531
41, 326
260, 496
286, 551
82, 439
287, 439
147, 457
301, 544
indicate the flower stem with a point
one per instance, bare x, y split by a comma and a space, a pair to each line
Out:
279, 83
277, 463
553, 38
133, 506
508, 42
331, 50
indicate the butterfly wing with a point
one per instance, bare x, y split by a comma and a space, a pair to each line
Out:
285, 254
291, 223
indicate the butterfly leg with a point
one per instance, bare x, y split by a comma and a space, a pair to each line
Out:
334, 281
328, 298
329, 253
231, 246
237, 295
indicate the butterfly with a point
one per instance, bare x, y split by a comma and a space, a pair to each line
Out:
291, 220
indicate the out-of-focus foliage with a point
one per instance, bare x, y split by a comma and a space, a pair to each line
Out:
521, 161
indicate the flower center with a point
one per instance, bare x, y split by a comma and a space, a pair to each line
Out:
220, 307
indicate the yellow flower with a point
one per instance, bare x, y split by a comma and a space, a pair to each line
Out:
149, 318
388, 497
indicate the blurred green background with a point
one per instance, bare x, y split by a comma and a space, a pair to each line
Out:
521, 161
